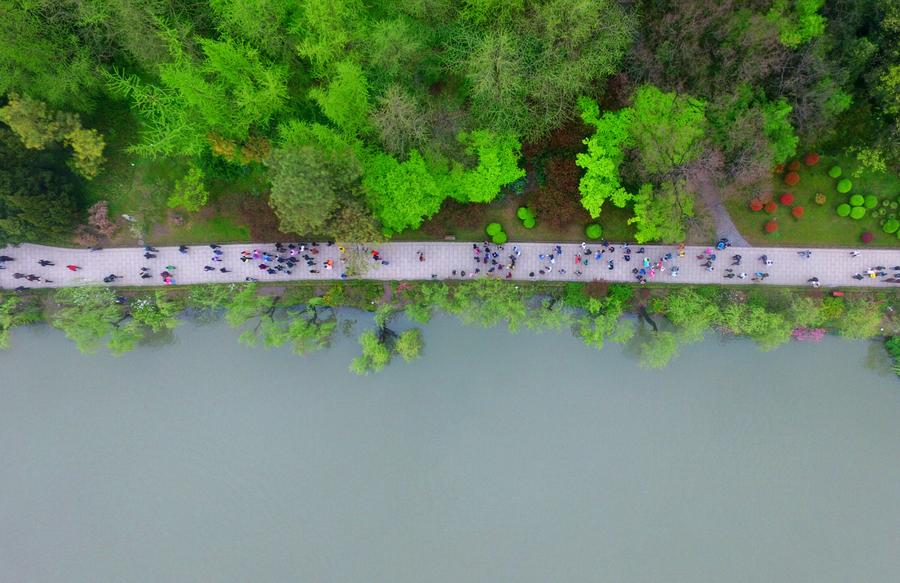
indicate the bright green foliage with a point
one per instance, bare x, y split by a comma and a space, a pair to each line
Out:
487, 302
768, 329
375, 354
798, 21
857, 212
500, 238
891, 226
498, 165
86, 315
778, 128
402, 194
550, 315
667, 128
493, 228
659, 350
835, 172
806, 312
843, 210
394, 48
327, 28
661, 216
345, 100
844, 186
246, 304
207, 300
409, 344
16, 311
190, 191
857, 200
871, 201
593, 231
861, 319
689, 311
603, 158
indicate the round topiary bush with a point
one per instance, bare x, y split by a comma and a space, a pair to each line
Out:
797, 212
791, 178
885, 203
756, 205
894, 206
811, 159
787, 199
882, 211
891, 226
500, 238
844, 185
820, 198
866, 237
529, 222
857, 200
593, 231
794, 165
871, 201
771, 207
843, 210
771, 226
857, 212
835, 172
523, 213
493, 229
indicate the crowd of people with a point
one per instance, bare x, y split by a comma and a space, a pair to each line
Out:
590, 261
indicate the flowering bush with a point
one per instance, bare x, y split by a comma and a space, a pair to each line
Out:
756, 205
866, 237
771, 207
797, 212
808, 334
794, 166
771, 226
787, 199
820, 198
791, 178
811, 159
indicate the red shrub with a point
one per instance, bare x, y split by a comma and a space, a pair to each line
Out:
771, 226
794, 166
791, 178
811, 159
771, 207
779, 169
787, 199
797, 211
756, 205
866, 237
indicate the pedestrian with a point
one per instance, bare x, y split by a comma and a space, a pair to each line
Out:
223, 270
45, 263
208, 268
182, 249
72, 267
149, 255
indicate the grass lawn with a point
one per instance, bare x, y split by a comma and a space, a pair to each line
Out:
820, 225
468, 224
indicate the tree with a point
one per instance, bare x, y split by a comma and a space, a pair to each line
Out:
16, 311
861, 319
375, 355
662, 216
394, 48
308, 186
659, 350
39, 196
86, 315
402, 194
667, 128
190, 191
345, 100
603, 158
400, 122
327, 28
409, 344
498, 165
778, 129
798, 21
690, 312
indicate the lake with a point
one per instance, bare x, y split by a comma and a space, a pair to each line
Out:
494, 458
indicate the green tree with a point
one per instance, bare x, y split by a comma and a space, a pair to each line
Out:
375, 355
345, 100
667, 128
861, 319
409, 344
601, 181
659, 350
16, 311
402, 194
691, 312
798, 21
190, 191
498, 165
86, 315
400, 121
661, 215
778, 129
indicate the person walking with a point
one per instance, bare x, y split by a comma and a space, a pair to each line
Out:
72, 267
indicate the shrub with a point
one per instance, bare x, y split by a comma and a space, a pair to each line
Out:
885, 203
820, 198
779, 169
593, 231
794, 166
843, 210
891, 226
529, 222
756, 205
835, 172
523, 213
493, 229
791, 178
811, 159
893, 206
857, 200
771, 226
797, 212
500, 238
844, 185
871, 201
882, 211
857, 212
787, 199
771, 207
866, 237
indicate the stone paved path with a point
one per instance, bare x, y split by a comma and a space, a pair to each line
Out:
833, 267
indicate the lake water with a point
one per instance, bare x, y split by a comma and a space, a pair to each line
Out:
495, 458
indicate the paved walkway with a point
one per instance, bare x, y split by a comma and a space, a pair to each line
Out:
833, 267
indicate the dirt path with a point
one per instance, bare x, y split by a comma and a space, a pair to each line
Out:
725, 227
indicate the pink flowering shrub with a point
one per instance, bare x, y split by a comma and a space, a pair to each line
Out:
808, 334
